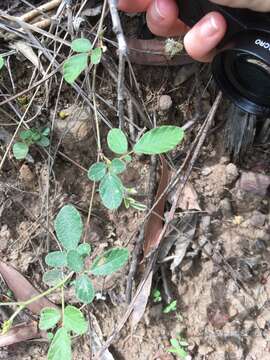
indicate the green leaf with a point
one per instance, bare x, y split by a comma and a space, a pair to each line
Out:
36, 135
74, 320
84, 249
117, 141
127, 158
26, 134
52, 277
20, 150
69, 227
2, 63
117, 166
97, 171
159, 140
49, 317
74, 66
171, 307
96, 55
44, 141
56, 259
74, 261
60, 348
111, 191
84, 289
46, 131
109, 262
81, 45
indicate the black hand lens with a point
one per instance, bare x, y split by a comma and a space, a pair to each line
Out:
241, 67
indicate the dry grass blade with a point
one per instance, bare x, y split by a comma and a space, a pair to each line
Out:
20, 333
22, 288
154, 224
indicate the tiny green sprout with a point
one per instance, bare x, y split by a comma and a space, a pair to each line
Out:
178, 348
112, 191
28, 138
156, 295
76, 64
171, 307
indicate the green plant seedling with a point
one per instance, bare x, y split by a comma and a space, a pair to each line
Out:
28, 138
156, 295
76, 64
111, 189
178, 348
171, 307
68, 269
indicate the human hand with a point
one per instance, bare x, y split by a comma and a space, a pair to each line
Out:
201, 40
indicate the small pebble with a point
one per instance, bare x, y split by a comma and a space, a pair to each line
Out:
165, 102
257, 219
232, 173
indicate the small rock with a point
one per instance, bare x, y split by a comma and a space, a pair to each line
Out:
25, 174
256, 183
205, 350
226, 208
206, 171
257, 219
184, 73
232, 173
232, 312
165, 103
261, 322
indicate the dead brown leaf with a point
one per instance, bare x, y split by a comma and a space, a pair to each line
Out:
154, 224
20, 333
22, 289
188, 199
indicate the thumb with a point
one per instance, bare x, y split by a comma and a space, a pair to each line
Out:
202, 39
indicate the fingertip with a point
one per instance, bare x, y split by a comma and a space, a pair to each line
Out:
162, 18
202, 39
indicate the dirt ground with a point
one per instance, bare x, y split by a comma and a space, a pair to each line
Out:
222, 285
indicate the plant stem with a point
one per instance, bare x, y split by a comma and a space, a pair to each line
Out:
24, 304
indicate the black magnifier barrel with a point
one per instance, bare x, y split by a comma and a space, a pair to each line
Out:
241, 67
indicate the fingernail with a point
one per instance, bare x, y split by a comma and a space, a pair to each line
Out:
208, 26
159, 4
